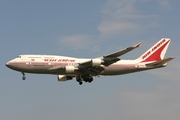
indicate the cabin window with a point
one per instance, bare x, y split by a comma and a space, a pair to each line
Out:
19, 56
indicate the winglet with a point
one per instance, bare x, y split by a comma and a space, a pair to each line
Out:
138, 45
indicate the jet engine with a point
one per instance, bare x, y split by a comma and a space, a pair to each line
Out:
70, 69
64, 78
96, 62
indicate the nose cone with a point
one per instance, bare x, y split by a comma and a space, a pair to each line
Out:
10, 65
7, 64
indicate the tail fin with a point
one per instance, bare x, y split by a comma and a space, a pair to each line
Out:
156, 52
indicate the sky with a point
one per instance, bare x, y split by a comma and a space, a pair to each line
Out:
89, 28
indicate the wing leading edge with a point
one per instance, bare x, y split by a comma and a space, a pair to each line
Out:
122, 52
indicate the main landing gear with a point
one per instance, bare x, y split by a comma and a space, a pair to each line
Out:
24, 77
85, 78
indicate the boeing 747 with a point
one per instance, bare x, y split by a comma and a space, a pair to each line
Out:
83, 69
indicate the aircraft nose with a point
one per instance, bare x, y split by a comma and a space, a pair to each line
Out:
7, 64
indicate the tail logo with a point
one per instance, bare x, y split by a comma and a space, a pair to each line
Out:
154, 48
159, 44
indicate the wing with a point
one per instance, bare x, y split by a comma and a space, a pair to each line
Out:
112, 58
122, 52
95, 66
92, 70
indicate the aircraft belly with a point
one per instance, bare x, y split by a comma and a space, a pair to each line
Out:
32, 69
42, 70
119, 71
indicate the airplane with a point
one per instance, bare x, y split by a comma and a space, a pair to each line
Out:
84, 70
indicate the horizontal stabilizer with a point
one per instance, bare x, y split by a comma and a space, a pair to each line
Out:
160, 62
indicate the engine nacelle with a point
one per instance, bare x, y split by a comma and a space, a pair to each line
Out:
96, 62
64, 78
69, 69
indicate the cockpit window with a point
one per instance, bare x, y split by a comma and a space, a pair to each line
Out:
19, 56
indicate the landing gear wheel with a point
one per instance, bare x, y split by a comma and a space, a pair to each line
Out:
79, 80
90, 79
80, 83
23, 77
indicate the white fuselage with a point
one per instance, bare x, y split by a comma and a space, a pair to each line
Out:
83, 69
41, 64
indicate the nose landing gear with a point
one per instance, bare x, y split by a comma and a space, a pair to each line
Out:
24, 77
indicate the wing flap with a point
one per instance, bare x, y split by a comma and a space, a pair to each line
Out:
93, 70
108, 61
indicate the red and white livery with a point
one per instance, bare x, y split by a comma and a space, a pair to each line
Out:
66, 68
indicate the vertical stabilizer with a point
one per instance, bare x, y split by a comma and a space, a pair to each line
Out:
156, 52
